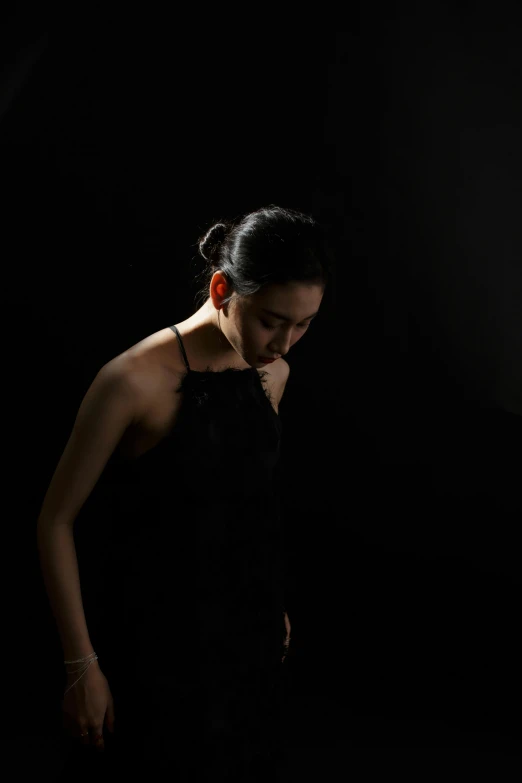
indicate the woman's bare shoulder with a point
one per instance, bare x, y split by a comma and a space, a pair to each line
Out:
154, 364
154, 367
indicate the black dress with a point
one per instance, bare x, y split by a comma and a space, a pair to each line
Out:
192, 632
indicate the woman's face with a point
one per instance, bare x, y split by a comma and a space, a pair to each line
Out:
266, 325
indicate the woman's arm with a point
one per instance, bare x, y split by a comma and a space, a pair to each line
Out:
111, 403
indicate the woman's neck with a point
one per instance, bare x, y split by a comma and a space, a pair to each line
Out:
207, 335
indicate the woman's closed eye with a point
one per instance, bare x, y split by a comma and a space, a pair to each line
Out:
271, 328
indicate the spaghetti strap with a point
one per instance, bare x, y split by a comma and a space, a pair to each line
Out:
176, 332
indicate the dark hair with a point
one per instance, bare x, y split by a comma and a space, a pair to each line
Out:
270, 245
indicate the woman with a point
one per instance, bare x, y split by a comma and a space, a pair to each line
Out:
185, 658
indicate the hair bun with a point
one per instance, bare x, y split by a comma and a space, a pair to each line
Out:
212, 241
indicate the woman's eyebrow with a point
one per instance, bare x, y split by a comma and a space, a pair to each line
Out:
283, 317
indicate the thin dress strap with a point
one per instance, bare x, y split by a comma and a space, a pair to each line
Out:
176, 332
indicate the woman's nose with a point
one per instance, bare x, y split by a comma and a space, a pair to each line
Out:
280, 350
285, 340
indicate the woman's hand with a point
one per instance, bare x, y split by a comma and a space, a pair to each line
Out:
287, 640
87, 706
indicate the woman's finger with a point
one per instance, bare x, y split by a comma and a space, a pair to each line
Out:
84, 735
96, 737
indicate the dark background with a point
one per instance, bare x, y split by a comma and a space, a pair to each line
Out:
123, 138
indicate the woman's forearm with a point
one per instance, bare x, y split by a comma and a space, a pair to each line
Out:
59, 565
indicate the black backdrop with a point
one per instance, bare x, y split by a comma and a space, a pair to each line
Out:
123, 139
